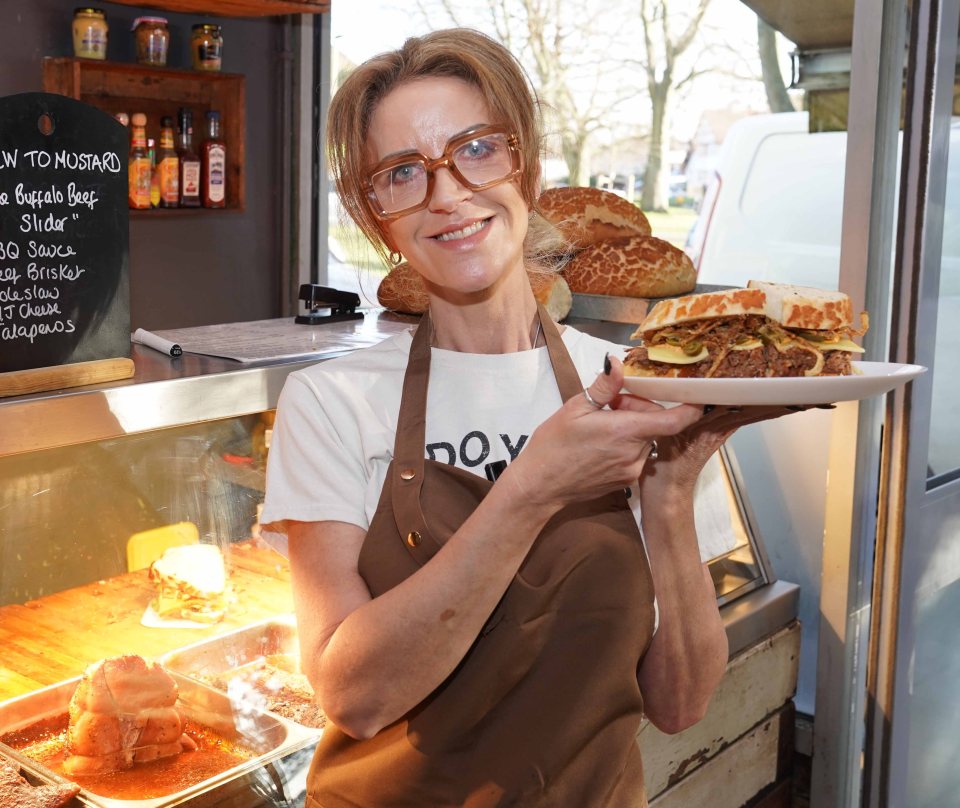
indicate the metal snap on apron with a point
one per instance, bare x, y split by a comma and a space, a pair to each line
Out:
544, 708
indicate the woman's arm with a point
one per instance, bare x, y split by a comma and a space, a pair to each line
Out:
372, 660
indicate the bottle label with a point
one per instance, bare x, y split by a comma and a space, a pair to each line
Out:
216, 182
191, 180
170, 180
139, 182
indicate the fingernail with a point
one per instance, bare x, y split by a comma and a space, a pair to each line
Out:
607, 367
708, 408
794, 407
825, 406
733, 409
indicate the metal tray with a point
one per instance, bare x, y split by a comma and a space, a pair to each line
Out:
229, 654
270, 736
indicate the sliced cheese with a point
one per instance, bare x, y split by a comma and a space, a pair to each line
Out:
748, 345
839, 345
674, 355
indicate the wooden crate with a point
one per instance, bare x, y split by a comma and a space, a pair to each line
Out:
157, 92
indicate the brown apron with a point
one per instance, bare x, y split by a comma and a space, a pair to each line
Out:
544, 708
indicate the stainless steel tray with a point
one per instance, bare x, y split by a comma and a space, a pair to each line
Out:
238, 654
269, 736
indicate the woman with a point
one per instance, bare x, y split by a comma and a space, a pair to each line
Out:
478, 642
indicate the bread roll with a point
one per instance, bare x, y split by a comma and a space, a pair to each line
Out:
402, 290
805, 307
638, 266
586, 216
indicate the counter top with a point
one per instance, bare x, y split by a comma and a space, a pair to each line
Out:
165, 392
56, 637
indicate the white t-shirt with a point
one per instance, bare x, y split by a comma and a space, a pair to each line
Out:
336, 422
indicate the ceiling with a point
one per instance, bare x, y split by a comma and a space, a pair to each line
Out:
809, 24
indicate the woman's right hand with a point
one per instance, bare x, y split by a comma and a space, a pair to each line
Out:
582, 451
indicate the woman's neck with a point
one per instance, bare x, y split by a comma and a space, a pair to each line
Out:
503, 320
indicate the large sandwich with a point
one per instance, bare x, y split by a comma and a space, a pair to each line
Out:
767, 329
191, 582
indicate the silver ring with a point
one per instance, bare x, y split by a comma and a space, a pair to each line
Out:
586, 394
654, 452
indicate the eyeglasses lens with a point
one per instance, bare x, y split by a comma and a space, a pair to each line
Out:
481, 161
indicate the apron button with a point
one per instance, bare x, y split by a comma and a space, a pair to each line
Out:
408, 474
413, 538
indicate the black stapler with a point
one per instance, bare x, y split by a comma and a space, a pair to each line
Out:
326, 305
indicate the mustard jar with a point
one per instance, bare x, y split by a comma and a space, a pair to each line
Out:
152, 40
206, 45
89, 33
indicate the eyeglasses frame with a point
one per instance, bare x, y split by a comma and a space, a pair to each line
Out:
445, 160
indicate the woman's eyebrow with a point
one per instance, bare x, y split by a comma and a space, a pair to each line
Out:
411, 152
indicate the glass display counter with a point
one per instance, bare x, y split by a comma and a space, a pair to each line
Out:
85, 473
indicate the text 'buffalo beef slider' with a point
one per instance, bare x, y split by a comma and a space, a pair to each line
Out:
767, 329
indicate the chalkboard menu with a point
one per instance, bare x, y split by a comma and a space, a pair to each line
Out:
64, 241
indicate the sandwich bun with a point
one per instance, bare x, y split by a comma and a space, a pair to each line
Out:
191, 583
588, 215
805, 306
402, 290
633, 266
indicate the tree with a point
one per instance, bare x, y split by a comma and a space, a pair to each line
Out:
776, 90
663, 48
577, 64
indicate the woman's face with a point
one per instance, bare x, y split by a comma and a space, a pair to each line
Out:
464, 240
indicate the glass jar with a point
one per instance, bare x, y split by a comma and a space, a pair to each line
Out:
152, 39
206, 45
89, 33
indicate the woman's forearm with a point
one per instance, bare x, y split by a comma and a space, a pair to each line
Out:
391, 652
688, 655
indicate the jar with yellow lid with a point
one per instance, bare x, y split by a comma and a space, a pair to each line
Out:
152, 39
90, 33
206, 45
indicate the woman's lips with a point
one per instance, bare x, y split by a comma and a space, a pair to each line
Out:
462, 233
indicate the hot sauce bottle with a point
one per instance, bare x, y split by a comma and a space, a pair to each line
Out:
168, 166
189, 162
213, 159
139, 167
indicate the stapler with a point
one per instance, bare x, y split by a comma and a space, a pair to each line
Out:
326, 305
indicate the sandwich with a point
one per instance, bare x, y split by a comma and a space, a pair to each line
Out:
191, 583
766, 329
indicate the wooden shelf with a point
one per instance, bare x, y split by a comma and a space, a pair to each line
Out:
235, 8
158, 91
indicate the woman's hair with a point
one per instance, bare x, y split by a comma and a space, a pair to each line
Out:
460, 53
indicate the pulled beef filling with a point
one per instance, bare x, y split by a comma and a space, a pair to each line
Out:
781, 354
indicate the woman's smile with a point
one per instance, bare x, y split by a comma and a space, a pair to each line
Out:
465, 232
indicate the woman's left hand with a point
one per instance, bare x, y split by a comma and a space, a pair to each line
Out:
680, 458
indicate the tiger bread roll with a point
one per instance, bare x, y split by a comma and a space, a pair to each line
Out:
635, 266
402, 290
586, 216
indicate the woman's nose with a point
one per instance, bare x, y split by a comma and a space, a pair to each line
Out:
447, 191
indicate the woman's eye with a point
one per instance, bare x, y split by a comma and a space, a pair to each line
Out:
405, 173
478, 149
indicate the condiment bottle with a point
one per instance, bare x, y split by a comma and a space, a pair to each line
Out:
213, 160
168, 166
154, 177
139, 167
189, 162
90, 33
206, 46
152, 38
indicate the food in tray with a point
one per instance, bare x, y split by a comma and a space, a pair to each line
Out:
191, 583
767, 329
275, 680
123, 712
17, 792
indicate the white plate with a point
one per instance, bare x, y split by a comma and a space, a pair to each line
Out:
869, 379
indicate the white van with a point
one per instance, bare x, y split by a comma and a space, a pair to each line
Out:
774, 208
